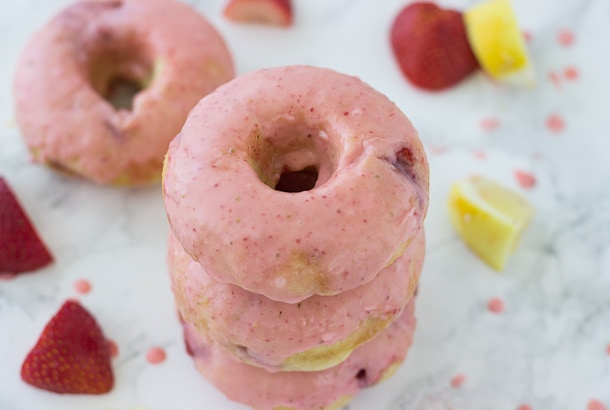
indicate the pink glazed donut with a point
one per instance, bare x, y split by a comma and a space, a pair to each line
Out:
327, 389
70, 66
296, 181
315, 334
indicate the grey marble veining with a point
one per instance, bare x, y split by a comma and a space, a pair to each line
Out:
546, 350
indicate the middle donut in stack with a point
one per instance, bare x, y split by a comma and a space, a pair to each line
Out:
296, 198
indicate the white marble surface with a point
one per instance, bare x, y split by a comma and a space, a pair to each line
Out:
547, 349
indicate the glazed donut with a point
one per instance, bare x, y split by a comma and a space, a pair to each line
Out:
296, 181
69, 66
327, 389
315, 334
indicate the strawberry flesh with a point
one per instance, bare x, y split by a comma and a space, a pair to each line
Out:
72, 355
21, 249
431, 46
269, 12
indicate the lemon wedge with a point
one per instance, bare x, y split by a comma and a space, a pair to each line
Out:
488, 217
497, 42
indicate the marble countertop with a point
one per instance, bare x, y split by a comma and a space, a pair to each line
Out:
548, 349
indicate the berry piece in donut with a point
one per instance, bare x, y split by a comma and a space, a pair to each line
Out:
21, 249
268, 12
71, 356
431, 46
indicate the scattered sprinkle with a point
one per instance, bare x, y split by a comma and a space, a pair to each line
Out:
495, 305
458, 380
608, 349
82, 286
571, 73
113, 347
527, 36
525, 179
555, 123
555, 79
155, 355
595, 405
489, 124
524, 407
565, 38
437, 149
480, 154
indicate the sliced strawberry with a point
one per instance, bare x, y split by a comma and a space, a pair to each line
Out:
270, 12
431, 46
21, 249
71, 356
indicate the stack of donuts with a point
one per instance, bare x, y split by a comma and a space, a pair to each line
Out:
296, 198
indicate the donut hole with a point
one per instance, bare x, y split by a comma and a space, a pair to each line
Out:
121, 92
291, 158
120, 70
297, 181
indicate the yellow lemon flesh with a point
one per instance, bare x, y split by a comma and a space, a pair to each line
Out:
488, 217
497, 42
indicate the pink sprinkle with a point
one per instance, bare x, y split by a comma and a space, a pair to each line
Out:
571, 73
555, 123
458, 380
527, 36
595, 405
554, 79
489, 124
565, 38
155, 355
524, 407
437, 149
525, 179
495, 305
82, 286
608, 349
480, 154
7, 276
113, 347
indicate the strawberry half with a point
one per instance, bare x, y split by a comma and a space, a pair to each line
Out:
270, 12
71, 356
431, 46
21, 249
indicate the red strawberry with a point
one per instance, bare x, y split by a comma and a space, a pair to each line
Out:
21, 249
431, 46
271, 12
71, 356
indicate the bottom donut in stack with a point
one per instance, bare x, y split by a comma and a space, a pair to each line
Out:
334, 376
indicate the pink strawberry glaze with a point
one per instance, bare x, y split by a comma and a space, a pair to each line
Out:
263, 390
555, 123
266, 333
82, 286
370, 196
571, 73
565, 38
595, 404
458, 380
113, 347
155, 355
489, 124
525, 179
495, 305
166, 44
